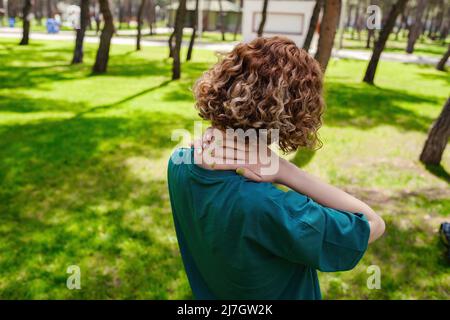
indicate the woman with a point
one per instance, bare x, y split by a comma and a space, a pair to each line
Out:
241, 237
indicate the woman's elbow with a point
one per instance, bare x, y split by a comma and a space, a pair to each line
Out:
377, 228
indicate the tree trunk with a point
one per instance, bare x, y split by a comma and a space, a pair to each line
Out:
440, 17
194, 32
2, 12
437, 138
179, 24
151, 14
101, 61
439, 20
341, 24
139, 24
445, 27
416, 27
238, 20
313, 24
84, 17
441, 65
120, 13
49, 9
425, 22
222, 20
405, 23
396, 9
11, 8
172, 35
26, 22
37, 12
370, 35
263, 18
349, 16
399, 29
330, 19
129, 12
355, 23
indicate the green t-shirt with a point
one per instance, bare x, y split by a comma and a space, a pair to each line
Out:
246, 240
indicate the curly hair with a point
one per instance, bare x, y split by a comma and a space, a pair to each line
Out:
268, 83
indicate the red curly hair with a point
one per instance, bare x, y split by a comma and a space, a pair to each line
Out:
268, 83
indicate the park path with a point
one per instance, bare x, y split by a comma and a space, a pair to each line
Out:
126, 37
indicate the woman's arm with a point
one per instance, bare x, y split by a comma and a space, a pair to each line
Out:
327, 195
291, 176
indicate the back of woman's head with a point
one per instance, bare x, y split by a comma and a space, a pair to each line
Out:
268, 83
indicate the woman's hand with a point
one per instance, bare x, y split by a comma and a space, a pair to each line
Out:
218, 151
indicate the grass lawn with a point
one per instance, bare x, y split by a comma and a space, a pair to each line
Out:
423, 46
83, 172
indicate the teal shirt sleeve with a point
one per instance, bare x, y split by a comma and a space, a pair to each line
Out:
300, 230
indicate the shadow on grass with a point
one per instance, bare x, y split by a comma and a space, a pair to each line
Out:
17, 71
126, 99
443, 76
24, 104
90, 192
438, 171
366, 106
412, 264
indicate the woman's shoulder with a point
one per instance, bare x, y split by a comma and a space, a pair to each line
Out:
181, 155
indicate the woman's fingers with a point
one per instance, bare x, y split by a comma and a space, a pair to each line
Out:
249, 174
221, 139
198, 151
229, 154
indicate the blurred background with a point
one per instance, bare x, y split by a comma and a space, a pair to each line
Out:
90, 91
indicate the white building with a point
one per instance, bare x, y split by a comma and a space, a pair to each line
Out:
284, 17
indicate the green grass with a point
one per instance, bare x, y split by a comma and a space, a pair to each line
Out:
424, 46
83, 172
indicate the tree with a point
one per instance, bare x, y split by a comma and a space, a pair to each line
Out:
26, 22
129, 11
2, 12
151, 14
178, 34
330, 19
401, 24
84, 17
445, 27
172, 35
49, 9
437, 138
139, 24
238, 20
101, 60
38, 11
359, 21
263, 18
416, 28
11, 8
313, 24
370, 35
396, 9
222, 20
424, 22
194, 33
441, 65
